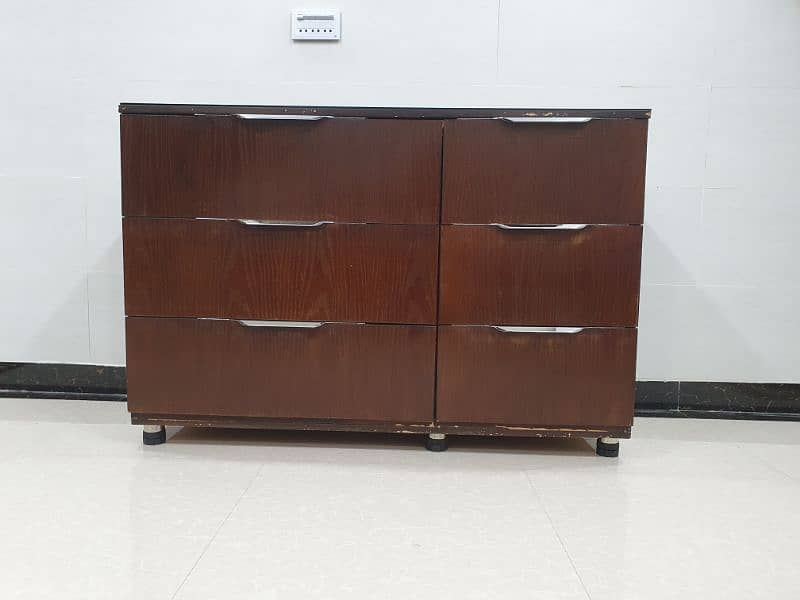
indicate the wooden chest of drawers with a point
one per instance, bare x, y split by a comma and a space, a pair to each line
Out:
426, 271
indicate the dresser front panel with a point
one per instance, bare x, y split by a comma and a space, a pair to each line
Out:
544, 172
334, 371
588, 277
348, 170
335, 272
532, 379
471, 271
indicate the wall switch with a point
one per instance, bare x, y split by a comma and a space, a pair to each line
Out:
308, 24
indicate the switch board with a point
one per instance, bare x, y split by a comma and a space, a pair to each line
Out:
313, 24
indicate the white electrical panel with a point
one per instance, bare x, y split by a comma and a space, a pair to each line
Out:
308, 24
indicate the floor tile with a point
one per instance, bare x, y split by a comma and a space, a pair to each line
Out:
672, 519
691, 508
36, 410
784, 458
356, 529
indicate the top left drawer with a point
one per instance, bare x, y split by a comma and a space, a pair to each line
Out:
256, 166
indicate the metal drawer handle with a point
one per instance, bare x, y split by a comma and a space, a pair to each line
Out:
545, 119
257, 117
261, 223
562, 227
514, 329
283, 324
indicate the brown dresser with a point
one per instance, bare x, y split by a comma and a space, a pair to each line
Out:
428, 271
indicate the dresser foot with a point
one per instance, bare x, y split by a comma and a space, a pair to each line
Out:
607, 446
436, 442
154, 435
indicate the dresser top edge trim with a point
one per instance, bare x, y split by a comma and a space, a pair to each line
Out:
376, 112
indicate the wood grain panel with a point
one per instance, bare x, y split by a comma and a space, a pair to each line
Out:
338, 371
586, 277
208, 268
499, 172
548, 379
346, 170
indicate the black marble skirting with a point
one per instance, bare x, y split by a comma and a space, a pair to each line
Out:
718, 400
81, 382
694, 399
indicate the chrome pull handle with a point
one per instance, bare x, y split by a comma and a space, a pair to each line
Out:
258, 117
263, 223
282, 324
562, 227
515, 329
551, 120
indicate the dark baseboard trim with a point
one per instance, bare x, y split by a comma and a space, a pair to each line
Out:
673, 399
63, 381
718, 400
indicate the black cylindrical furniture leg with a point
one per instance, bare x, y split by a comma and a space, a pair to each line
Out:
608, 446
154, 435
436, 442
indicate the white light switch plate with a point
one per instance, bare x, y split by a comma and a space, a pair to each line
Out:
316, 24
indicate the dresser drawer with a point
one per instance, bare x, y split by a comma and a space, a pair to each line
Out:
329, 272
536, 377
330, 371
540, 276
342, 169
497, 171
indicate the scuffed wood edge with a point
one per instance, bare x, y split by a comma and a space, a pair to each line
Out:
381, 427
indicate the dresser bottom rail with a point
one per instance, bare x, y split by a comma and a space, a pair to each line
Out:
382, 426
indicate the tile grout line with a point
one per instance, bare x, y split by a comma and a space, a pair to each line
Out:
558, 535
770, 466
216, 532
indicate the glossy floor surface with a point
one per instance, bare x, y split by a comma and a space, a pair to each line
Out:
691, 509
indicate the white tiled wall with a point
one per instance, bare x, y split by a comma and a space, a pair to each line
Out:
721, 278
